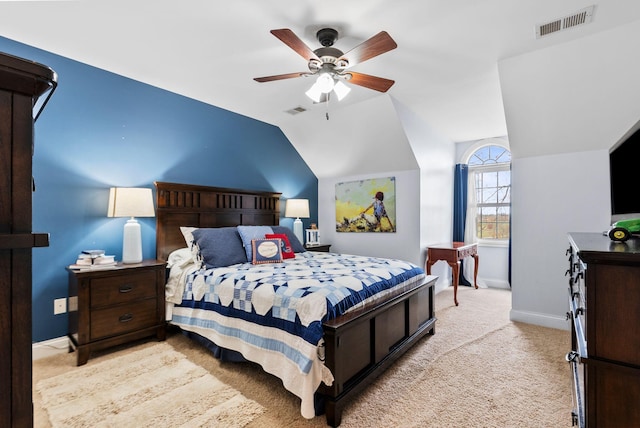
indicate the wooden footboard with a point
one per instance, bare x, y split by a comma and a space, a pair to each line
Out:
362, 344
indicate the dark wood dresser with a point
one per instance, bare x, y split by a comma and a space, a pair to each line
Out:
604, 302
22, 84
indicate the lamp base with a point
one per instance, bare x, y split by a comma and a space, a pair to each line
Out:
132, 242
297, 230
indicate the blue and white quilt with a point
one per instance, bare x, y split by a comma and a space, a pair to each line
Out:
273, 313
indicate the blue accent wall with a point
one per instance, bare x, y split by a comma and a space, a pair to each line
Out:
101, 130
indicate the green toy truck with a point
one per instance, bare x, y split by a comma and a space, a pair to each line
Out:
623, 229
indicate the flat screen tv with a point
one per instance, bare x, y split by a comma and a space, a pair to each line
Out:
624, 161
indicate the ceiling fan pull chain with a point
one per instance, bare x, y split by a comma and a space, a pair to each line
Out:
327, 103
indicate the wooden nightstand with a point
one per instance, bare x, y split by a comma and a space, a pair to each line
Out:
323, 248
109, 307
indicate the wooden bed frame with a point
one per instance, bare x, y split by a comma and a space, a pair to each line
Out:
360, 345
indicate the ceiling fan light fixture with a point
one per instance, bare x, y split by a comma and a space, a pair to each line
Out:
332, 61
325, 83
341, 90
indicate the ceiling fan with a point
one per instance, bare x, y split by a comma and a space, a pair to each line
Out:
332, 66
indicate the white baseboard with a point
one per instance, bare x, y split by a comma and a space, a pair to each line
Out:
440, 286
59, 345
482, 283
543, 320
497, 283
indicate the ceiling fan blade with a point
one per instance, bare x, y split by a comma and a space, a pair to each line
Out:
372, 82
280, 77
290, 39
376, 45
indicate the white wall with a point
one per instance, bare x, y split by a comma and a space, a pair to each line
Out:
493, 269
553, 195
436, 157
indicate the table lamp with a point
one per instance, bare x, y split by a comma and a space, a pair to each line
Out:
297, 208
131, 202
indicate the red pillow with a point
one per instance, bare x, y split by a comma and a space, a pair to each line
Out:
287, 251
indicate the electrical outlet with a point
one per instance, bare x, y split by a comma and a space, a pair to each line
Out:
59, 306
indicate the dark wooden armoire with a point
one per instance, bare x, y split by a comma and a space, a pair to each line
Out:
25, 86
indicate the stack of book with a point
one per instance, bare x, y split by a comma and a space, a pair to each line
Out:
93, 259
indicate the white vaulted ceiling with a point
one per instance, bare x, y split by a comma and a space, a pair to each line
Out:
445, 66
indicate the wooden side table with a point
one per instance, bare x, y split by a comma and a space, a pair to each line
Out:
109, 307
452, 253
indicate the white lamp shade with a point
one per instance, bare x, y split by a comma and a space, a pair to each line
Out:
131, 202
297, 208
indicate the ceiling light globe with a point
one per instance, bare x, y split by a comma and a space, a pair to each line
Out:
325, 83
341, 90
314, 93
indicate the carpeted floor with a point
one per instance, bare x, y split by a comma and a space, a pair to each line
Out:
478, 370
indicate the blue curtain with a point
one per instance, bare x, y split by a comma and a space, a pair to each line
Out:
510, 231
460, 181
460, 201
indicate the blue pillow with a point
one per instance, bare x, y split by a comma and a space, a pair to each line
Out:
248, 233
220, 246
296, 245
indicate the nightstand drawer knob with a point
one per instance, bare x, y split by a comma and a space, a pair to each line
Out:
126, 288
126, 317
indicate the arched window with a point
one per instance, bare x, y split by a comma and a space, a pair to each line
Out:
489, 187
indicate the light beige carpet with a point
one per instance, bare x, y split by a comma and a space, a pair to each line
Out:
154, 386
478, 370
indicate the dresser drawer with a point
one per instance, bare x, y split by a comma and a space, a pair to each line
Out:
123, 318
122, 288
617, 388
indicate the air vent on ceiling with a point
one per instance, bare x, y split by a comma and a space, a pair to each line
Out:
296, 110
581, 17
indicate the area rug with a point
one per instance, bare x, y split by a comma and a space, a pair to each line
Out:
154, 386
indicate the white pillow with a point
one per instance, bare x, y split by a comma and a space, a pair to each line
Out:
187, 232
180, 258
181, 263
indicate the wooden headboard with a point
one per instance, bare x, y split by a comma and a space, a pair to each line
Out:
203, 206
